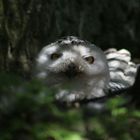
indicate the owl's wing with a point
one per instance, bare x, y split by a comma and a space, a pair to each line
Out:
122, 70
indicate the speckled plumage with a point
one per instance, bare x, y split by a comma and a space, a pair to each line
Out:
80, 70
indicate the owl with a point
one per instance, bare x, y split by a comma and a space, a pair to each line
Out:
78, 69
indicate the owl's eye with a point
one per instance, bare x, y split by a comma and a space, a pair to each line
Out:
55, 56
89, 59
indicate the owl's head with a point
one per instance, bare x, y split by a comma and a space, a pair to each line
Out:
70, 59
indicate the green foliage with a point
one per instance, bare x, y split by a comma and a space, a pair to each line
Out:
28, 111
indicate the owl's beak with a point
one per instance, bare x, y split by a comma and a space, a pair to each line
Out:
72, 71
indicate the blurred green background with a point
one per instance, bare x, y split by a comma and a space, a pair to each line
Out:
27, 108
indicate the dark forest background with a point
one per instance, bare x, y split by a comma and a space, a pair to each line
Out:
26, 111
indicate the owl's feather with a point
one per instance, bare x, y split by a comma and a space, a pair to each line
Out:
122, 70
80, 70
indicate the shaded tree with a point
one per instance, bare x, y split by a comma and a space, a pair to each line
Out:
26, 26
